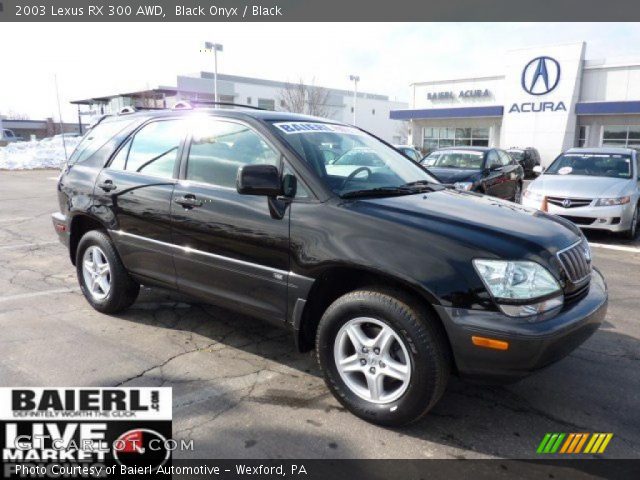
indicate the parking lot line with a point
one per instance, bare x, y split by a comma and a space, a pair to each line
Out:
16, 219
621, 248
26, 245
21, 296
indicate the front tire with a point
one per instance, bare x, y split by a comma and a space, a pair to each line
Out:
103, 279
632, 233
383, 356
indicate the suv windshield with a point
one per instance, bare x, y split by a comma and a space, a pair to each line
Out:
517, 155
455, 159
359, 162
592, 165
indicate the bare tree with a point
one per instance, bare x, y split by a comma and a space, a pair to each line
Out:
302, 98
13, 115
404, 130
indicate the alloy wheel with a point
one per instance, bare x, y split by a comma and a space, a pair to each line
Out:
96, 272
372, 360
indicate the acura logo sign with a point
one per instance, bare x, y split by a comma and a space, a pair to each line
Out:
540, 76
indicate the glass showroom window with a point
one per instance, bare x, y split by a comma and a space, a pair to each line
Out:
619, 136
583, 133
454, 137
266, 104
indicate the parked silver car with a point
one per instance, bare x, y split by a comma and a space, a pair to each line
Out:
595, 188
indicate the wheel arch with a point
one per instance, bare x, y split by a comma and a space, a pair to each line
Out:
80, 224
336, 281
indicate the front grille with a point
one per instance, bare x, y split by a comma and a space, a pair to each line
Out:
576, 261
576, 295
565, 202
579, 220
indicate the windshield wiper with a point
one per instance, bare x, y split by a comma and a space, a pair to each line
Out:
406, 189
424, 184
379, 192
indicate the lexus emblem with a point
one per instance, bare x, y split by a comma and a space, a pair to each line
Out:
540, 76
566, 203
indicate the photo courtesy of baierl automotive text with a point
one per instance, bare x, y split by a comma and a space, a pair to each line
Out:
320, 241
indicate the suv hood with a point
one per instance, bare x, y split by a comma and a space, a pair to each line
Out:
453, 175
486, 223
579, 186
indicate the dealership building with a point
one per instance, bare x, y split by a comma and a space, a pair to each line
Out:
372, 109
550, 98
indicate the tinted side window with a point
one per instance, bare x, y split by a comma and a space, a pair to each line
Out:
218, 149
153, 150
493, 161
96, 138
505, 159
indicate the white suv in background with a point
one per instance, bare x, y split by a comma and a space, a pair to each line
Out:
596, 188
8, 136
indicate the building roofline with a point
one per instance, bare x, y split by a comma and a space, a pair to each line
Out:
450, 80
106, 98
281, 84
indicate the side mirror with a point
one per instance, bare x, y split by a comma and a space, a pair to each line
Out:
289, 185
538, 169
259, 180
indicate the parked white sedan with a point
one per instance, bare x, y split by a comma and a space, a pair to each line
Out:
595, 188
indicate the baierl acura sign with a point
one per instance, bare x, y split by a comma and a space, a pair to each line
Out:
539, 77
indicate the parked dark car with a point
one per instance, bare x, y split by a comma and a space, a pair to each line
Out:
478, 169
395, 280
410, 151
528, 158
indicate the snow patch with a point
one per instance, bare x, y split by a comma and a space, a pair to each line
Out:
47, 153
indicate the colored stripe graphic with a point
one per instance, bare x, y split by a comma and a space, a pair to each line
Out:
574, 443
543, 443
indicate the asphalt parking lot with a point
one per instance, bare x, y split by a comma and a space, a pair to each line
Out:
242, 391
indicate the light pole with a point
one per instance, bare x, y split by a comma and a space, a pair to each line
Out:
355, 79
216, 47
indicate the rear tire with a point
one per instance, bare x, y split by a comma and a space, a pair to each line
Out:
517, 196
392, 382
103, 279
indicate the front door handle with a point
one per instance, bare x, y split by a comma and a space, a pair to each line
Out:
188, 201
107, 185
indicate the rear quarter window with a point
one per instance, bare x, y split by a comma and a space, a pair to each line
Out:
98, 143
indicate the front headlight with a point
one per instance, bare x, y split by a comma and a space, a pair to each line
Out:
531, 195
521, 288
464, 186
608, 202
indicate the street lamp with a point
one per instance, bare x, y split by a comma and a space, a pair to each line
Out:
216, 47
355, 79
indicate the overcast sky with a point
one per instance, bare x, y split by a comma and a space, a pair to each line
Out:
95, 59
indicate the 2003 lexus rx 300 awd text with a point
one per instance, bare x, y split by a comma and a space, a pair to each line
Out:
395, 280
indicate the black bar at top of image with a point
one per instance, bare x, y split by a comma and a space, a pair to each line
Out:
318, 10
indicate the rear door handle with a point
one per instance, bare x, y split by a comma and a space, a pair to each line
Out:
188, 201
107, 185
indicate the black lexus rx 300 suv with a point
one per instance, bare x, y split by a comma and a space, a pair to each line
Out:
395, 280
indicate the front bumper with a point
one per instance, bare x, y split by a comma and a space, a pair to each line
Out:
616, 218
532, 345
61, 226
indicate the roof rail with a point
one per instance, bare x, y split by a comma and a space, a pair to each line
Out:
126, 110
231, 104
182, 105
